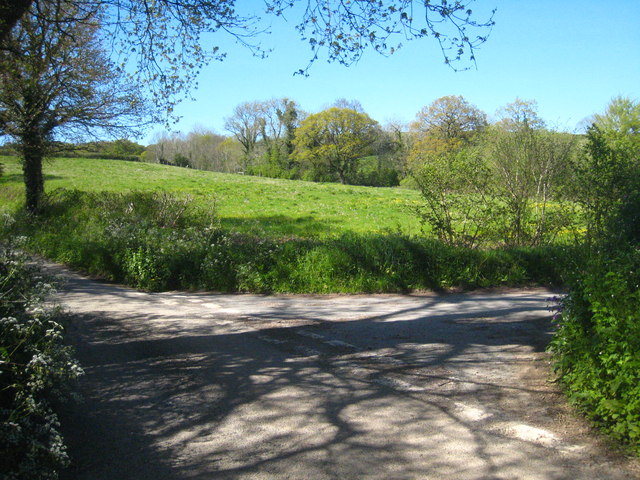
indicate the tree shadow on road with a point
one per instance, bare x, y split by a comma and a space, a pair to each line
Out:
397, 396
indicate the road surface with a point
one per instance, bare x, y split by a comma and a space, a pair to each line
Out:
210, 386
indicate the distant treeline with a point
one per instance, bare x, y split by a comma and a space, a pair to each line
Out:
121, 149
341, 143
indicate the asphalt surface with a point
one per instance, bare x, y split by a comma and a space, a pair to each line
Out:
208, 386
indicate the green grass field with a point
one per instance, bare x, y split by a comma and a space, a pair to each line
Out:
131, 222
251, 205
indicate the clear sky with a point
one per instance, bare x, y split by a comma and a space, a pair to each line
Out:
571, 56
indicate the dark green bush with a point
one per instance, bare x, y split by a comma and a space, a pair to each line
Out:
380, 177
597, 346
273, 170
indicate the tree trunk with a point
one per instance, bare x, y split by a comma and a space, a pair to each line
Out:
33, 178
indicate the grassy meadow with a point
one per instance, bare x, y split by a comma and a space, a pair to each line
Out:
159, 227
245, 204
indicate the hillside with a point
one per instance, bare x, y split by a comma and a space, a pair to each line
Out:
254, 205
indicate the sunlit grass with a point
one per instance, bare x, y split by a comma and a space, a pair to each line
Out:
246, 204
117, 220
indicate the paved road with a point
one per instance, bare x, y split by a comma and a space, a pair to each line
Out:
205, 386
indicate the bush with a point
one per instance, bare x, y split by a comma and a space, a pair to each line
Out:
460, 208
273, 170
150, 240
597, 346
36, 370
375, 171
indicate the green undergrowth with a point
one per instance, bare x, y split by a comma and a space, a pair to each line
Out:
158, 241
37, 371
597, 346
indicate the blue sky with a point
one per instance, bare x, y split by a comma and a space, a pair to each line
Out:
571, 56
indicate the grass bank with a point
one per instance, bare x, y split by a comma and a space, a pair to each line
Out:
159, 227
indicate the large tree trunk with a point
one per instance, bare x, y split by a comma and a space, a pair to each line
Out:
33, 178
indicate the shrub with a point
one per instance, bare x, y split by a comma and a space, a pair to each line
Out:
460, 207
597, 346
375, 171
36, 369
273, 170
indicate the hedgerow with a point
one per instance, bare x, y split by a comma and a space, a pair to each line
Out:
597, 346
36, 372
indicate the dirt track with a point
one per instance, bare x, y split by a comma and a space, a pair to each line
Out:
204, 386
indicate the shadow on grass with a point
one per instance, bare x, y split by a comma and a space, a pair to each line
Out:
18, 178
281, 225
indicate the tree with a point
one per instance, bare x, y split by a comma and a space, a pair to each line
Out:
352, 104
608, 174
163, 40
346, 29
519, 115
335, 140
280, 120
508, 185
622, 116
289, 116
124, 146
621, 124
531, 165
10, 13
246, 124
230, 155
458, 192
399, 146
201, 149
168, 149
265, 129
56, 81
451, 117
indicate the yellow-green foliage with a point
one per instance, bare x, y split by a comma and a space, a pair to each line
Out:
334, 140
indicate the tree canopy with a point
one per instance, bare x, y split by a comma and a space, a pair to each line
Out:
246, 124
165, 43
451, 117
55, 74
335, 140
621, 122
